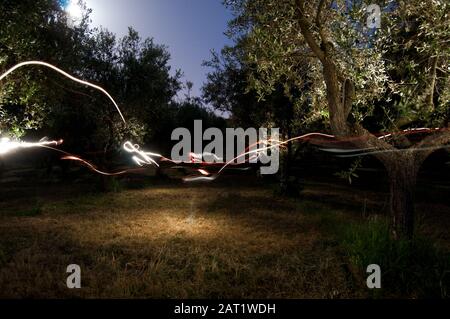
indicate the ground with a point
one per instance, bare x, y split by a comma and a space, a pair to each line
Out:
176, 240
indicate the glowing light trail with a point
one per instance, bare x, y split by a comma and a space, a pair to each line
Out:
429, 148
142, 158
7, 146
271, 144
92, 167
48, 65
71, 157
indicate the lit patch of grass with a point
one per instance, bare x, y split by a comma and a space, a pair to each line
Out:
172, 242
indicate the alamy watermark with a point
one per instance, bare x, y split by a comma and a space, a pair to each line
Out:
238, 146
374, 18
74, 279
374, 279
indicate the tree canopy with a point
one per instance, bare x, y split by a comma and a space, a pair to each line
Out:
135, 71
362, 80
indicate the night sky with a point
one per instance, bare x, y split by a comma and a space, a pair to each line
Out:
190, 29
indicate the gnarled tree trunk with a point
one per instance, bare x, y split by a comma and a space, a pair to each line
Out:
402, 164
402, 174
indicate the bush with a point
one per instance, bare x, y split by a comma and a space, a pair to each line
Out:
416, 268
32, 211
109, 184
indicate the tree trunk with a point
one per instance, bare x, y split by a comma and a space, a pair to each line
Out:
287, 184
402, 179
402, 166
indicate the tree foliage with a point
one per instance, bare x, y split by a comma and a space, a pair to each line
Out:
135, 71
363, 80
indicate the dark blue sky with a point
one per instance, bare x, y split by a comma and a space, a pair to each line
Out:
190, 28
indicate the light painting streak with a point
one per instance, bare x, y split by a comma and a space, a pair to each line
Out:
198, 158
203, 172
7, 146
92, 167
271, 144
48, 65
430, 148
142, 157
373, 150
71, 157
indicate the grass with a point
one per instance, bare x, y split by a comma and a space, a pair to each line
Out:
174, 242
189, 241
415, 268
30, 212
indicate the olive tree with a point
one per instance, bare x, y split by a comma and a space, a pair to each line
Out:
402, 66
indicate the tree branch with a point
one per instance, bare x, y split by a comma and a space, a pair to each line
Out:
348, 95
387, 152
305, 27
340, 104
319, 24
429, 145
430, 96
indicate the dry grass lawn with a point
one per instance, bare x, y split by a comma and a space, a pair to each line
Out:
174, 241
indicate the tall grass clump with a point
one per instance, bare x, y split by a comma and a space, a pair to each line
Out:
409, 268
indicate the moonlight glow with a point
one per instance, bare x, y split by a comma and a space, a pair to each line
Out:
73, 10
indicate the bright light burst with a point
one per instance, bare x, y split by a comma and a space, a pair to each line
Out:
8, 146
141, 158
